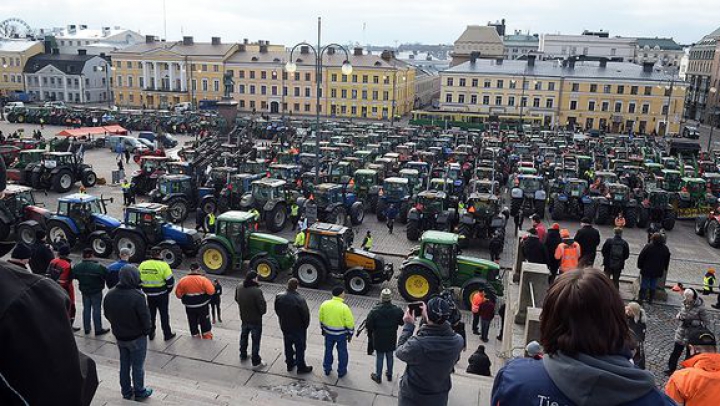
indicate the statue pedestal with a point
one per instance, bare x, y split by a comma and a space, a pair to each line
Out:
227, 108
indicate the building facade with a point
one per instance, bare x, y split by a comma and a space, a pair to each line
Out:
663, 52
519, 45
484, 40
702, 74
427, 87
616, 97
79, 78
94, 41
14, 54
596, 45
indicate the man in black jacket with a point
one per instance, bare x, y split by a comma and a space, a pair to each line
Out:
294, 317
533, 249
252, 306
41, 254
589, 239
615, 252
126, 308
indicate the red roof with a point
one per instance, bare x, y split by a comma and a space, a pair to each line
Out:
84, 131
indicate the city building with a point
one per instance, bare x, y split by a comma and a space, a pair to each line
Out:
518, 45
663, 52
425, 60
484, 40
427, 87
616, 97
14, 54
590, 44
702, 74
94, 41
79, 78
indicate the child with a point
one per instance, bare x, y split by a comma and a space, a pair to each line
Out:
479, 363
215, 302
709, 282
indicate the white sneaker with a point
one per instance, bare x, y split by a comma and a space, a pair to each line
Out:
261, 365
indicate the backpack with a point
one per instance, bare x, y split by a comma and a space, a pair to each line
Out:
617, 255
54, 270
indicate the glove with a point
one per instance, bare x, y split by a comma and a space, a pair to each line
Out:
349, 338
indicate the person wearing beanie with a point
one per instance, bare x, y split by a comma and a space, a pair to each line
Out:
653, 261
294, 317
252, 306
60, 270
552, 240
588, 237
20, 256
708, 282
127, 310
479, 362
337, 325
382, 324
692, 315
195, 291
157, 283
430, 355
615, 252
41, 254
534, 350
115, 267
568, 252
698, 383
91, 275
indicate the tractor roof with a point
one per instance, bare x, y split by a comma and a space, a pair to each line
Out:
408, 171
147, 207
432, 194
31, 151
482, 196
327, 228
78, 198
14, 189
710, 175
439, 237
176, 177
693, 180
284, 166
58, 153
404, 181
154, 158
576, 180
270, 182
324, 187
244, 175
673, 171
368, 172
236, 216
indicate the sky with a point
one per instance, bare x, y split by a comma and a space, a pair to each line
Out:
374, 22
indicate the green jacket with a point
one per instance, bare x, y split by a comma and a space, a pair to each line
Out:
251, 302
382, 324
90, 275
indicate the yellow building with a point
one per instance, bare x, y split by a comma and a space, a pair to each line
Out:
612, 96
14, 53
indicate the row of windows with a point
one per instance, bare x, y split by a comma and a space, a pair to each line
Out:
59, 81
12, 78
511, 100
500, 84
10, 61
617, 107
619, 89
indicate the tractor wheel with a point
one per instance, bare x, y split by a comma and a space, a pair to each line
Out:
214, 258
540, 208
177, 210
357, 214
310, 271
631, 216
558, 210
700, 226
209, 205
374, 204
473, 289
58, 231
412, 230
276, 218
643, 217
36, 180
89, 178
417, 283
713, 234
380, 211
464, 231
589, 210
357, 281
337, 216
172, 254
63, 181
101, 244
223, 204
603, 214
669, 221
25, 233
134, 242
267, 268
402, 216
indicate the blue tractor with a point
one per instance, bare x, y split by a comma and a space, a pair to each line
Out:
395, 191
145, 226
84, 217
334, 204
181, 195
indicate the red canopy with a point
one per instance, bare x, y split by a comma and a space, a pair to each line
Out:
84, 131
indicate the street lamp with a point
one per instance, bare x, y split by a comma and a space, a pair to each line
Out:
291, 67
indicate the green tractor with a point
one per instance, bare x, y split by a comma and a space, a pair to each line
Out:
271, 198
618, 199
367, 186
438, 264
481, 219
431, 212
236, 241
656, 207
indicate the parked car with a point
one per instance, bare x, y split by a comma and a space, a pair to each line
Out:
55, 104
691, 132
130, 143
182, 107
166, 140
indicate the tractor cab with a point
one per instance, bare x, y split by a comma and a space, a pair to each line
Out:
25, 157
153, 164
287, 172
482, 204
671, 180
365, 179
395, 189
713, 182
265, 189
340, 172
178, 168
575, 188
220, 177
431, 201
415, 182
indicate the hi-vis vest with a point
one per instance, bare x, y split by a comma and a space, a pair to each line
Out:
569, 256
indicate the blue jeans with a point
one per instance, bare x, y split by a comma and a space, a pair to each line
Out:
132, 356
254, 330
295, 344
389, 356
92, 303
648, 283
330, 342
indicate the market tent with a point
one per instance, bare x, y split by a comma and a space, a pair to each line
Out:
85, 131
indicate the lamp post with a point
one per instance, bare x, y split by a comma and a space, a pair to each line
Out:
711, 120
346, 69
669, 88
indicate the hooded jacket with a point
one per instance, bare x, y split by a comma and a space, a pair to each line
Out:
430, 357
479, 363
691, 315
534, 251
126, 308
654, 260
582, 380
698, 384
552, 240
589, 239
251, 302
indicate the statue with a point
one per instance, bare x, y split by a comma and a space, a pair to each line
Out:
228, 83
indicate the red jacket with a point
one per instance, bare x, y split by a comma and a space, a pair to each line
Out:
487, 310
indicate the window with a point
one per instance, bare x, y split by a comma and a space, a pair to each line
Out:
333, 93
620, 89
498, 100
353, 94
307, 92
448, 98
618, 107
486, 100
551, 86
252, 89
549, 103
119, 81
536, 102
241, 89
343, 93
668, 91
605, 106
462, 82
141, 83
631, 107
473, 99
193, 83
645, 108
242, 104
633, 90
241, 74
216, 68
513, 84
333, 77
297, 76
573, 104
613, 51
364, 94
204, 68
585, 50
252, 104
591, 105
648, 91
353, 110
365, 78
474, 83
607, 88
216, 85
263, 90
538, 85
274, 90
486, 84
354, 78
576, 87
263, 75
307, 107
665, 109
129, 64
296, 91
375, 95
461, 98
252, 74
511, 101
593, 88
500, 84
376, 79
296, 106
386, 95
449, 81
204, 85
308, 77
130, 81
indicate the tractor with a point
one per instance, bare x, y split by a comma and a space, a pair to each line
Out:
656, 208
145, 179
395, 191
431, 212
529, 194
328, 252
83, 217
271, 197
20, 213
236, 241
229, 198
60, 171
618, 199
481, 219
180, 194
334, 204
437, 265
20, 169
572, 201
367, 187
145, 226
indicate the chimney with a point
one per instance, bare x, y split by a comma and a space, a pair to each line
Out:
82, 52
386, 55
71, 29
83, 27
149, 39
498, 61
263, 48
603, 63
571, 63
241, 48
187, 41
531, 60
102, 55
105, 31
56, 51
358, 51
474, 56
648, 67
215, 41
245, 41
304, 50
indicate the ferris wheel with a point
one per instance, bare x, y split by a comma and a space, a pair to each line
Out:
14, 28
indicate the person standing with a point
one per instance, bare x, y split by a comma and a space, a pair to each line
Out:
487, 314
127, 155
300, 239
692, 315
698, 383
637, 321
200, 220
127, 310
588, 237
620, 221
127, 191
294, 215
215, 302
367, 242
113, 275
430, 355
91, 279
615, 252
294, 318
496, 245
252, 305
519, 219
568, 252
552, 240
195, 291
653, 262
539, 227
476, 301
41, 254
391, 214
157, 283
337, 325
479, 363
533, 249
60, 270
382, 324
708, 282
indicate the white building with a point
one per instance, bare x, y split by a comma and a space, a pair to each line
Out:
518, 45
96, 41
664, 52
599, 45
79, 78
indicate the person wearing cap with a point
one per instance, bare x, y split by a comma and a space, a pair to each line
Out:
615, 252
698, 383
60, 270
157, 283
533, 249
91, 275
534, 350
568, 252
41, 254
114, 268
708, 282
127, 310
252, 305
195, 291
430, 355
653, 261
294, 316
539, 227
692, 315
552, 240
337, 325
479, 363
588, 237
382, 324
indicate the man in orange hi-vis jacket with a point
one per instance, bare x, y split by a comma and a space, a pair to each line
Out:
568, 252
195, 291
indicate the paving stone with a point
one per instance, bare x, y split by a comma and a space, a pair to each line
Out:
205, 371
195, 348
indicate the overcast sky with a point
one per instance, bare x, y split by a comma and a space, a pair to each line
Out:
386, 21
